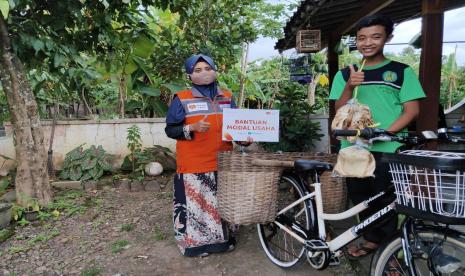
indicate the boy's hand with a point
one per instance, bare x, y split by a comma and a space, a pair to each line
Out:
356, 78
200, 126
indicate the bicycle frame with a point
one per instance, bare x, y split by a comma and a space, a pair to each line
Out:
350, 234
410, 228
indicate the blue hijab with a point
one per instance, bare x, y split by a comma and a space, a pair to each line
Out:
209, 90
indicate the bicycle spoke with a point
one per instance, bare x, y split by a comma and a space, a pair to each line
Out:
282, 248
396, 267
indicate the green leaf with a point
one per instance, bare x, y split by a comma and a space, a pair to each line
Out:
75, 173
142, 63
58, 60
86, 176
4, 8
160, 107
37, 45
99, 152
143, 47
98, 174
64, 174
89, 163
12, 3
174, 87
130, 67
76, 154
148, 90
105, 165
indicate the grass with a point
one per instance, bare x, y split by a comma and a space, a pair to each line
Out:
5, 234
36, 239
158, 234
68, 202
127, 227
91, 271
97, 223
18, 249
43, 237
118, 246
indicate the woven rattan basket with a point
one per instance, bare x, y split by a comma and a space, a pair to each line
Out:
247, 193
333, 189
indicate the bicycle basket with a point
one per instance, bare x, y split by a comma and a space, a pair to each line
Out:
429, 184
247, 193
333, 189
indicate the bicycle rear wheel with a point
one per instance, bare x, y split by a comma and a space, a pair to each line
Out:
280, 247
448, 256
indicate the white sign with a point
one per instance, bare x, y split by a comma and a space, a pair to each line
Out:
261, 125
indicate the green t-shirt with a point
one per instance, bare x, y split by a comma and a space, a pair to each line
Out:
385, 88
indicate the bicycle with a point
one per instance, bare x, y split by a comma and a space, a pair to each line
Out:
299, 227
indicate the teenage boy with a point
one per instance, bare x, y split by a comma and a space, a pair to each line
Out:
391, 90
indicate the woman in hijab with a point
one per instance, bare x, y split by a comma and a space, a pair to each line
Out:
195, 120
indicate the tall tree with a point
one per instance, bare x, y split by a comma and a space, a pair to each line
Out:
31, 175
54, 37
52, 33
449, 80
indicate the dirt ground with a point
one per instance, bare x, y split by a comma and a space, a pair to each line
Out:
130, 233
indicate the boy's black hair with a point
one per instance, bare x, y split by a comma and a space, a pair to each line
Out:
376, 19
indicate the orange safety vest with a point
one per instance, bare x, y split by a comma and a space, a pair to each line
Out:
199, 154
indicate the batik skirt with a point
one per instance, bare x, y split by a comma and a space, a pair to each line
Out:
197, 225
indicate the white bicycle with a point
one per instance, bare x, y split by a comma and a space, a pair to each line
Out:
426, 246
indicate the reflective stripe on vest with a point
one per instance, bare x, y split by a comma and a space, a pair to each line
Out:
199, 154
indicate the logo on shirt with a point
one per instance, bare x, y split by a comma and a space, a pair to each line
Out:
197, 107
389, 76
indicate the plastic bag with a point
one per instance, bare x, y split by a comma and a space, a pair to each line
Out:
352, 115
355, 161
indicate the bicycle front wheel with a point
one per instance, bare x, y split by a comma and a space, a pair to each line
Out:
280, 247
447, 256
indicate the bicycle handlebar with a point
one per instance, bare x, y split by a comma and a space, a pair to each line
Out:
366, 133
445, 133
378, 134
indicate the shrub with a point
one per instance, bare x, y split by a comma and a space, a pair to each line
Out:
297, 132
86, 164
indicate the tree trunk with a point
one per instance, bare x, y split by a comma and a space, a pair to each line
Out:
86, 105
245, 54
122, 95
32, 182
312, 88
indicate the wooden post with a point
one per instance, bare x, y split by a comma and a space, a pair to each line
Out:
430, 63
333, 67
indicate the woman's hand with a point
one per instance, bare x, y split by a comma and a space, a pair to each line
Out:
245, 143
200, 126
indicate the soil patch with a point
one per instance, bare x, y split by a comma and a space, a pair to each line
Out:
129, 233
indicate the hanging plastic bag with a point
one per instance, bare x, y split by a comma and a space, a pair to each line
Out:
354, 161
353, 115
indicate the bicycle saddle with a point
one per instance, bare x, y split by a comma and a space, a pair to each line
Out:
311, 165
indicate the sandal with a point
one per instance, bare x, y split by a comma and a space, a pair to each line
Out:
361, 247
